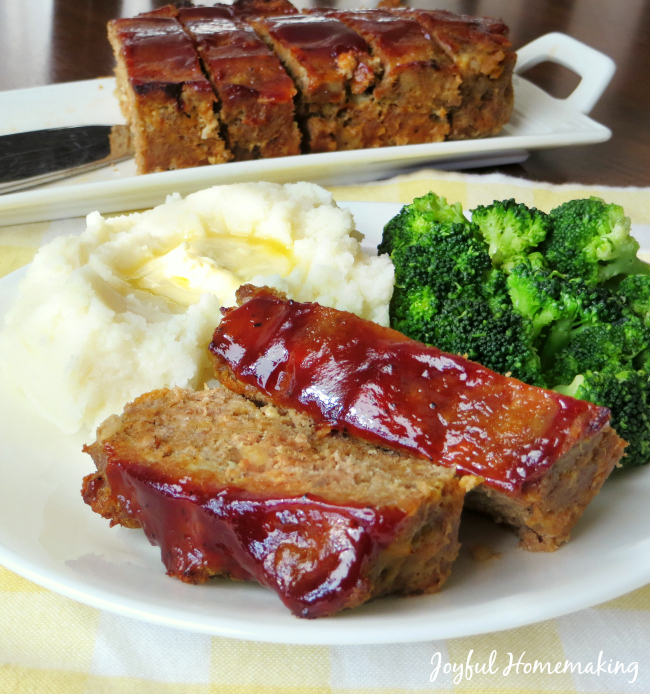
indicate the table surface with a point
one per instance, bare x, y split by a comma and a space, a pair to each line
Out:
50, 41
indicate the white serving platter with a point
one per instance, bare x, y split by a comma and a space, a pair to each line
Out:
539, 121
48, 535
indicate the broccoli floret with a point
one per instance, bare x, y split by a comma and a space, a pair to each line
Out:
582, 307
598, 347
590, 239
448, 294
558, 308
536, 291
411, 309
627, 394
450, 258
416, 219
635, 289
510, 228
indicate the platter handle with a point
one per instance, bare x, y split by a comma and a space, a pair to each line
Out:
595, 68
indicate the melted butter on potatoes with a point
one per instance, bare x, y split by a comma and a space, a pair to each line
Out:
131, 304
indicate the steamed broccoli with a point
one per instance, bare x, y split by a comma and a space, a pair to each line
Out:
627, 394
414, 220
598, 347
448, 294
510, 228
591, 239
558, 300
635, 289
536, 291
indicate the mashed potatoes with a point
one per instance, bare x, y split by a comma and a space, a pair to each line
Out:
131, 304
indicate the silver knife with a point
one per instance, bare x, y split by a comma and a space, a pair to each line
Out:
33, 158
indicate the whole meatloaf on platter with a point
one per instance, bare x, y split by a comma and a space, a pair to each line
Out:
227, 488
541, 456
276, 82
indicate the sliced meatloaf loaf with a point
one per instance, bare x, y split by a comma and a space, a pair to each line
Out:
322, 80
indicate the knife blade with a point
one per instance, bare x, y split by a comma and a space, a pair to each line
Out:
41, 156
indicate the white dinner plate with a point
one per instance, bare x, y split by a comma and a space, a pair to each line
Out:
48, 535
539, 121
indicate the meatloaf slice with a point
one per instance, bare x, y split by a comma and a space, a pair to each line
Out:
480, 49
164, 96
255, 92
419, 82
332, 68
542, 456
227, 488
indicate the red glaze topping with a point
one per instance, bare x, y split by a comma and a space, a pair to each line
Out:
240, 64
157, 51
394, 37
213, 12
331, 55
316, 36
262, 8
468, 25
373, 382
458, 34
311, 552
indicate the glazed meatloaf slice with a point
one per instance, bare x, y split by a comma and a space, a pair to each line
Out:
227, 488
334, 73
164, 96
542, 456
255, 93
482, 52
419, 82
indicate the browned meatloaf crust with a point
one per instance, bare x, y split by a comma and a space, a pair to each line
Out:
542, 456
255, 93
164, 96
228, 488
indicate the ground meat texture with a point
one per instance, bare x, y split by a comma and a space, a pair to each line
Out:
228, 488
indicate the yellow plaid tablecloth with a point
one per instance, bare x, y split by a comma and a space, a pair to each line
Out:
54, 645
